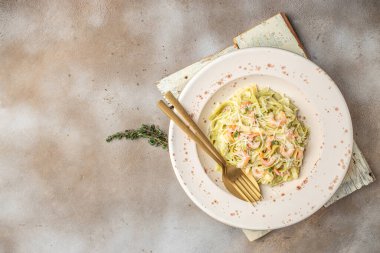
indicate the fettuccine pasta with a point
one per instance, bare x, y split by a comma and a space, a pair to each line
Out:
258, 130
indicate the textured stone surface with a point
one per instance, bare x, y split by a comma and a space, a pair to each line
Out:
73, 72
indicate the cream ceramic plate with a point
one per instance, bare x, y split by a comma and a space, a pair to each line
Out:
327, 155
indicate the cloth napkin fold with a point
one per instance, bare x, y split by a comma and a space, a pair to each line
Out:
275, 32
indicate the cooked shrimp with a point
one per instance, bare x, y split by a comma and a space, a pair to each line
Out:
281, 118
244, 161
253, 145
278, 120
268, 162
290, 134
268, 142
250, 139
229, 136
230, 131
287, 150
253, 117
232, 127
245, 104
252, 135
299, 154
257, 173
272, 121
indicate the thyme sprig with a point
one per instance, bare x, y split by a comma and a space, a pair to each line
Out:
156, 137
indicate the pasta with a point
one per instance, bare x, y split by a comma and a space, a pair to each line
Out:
258, 130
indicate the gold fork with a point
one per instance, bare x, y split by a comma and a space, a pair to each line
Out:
237, 182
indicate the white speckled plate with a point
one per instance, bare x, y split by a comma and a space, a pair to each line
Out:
327, 155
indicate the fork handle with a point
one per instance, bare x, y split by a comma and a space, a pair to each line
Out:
165, 109
182, 112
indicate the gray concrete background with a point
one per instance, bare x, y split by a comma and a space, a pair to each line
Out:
73, 72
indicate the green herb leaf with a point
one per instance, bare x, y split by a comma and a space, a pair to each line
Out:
156, 137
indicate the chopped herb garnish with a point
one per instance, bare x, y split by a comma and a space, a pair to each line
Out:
236, 134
